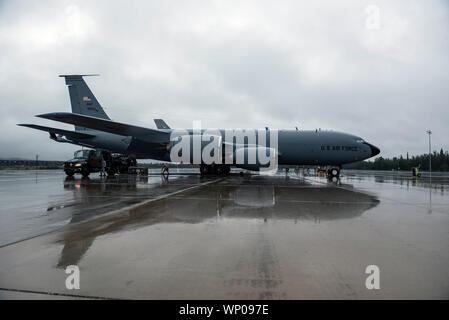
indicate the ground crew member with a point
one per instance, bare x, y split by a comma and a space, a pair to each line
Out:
165, 169
103, 166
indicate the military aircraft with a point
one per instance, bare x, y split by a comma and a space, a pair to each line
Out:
94, 129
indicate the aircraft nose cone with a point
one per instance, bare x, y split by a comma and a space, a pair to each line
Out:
374, 150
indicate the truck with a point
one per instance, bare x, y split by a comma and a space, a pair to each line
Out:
87, 161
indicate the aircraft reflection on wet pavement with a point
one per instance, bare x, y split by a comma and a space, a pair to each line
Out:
250, 199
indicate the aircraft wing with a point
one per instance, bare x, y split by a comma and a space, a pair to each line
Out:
67, 133
145, 134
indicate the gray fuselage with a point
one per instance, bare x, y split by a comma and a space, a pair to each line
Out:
295, 147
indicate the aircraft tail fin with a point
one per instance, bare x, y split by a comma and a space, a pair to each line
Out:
82, 99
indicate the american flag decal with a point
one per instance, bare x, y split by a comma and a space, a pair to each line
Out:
86, 99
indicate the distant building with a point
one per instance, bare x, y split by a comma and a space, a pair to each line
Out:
29, 163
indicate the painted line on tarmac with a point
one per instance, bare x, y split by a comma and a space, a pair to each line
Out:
57, 294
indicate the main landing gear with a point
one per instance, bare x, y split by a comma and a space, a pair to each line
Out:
214, 169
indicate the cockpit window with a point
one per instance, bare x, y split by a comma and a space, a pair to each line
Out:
359, 141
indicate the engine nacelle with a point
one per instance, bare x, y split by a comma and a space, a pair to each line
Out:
58, 138
196, 149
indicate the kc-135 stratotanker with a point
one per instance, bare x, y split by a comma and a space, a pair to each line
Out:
94, 129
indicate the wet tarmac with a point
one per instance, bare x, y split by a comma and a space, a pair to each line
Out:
250, 237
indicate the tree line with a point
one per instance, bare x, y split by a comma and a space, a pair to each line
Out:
440, 162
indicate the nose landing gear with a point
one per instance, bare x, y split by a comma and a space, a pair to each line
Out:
333, 172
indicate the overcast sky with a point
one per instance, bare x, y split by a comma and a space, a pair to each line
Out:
312, 64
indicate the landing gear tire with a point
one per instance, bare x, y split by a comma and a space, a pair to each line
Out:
333, 173
69, 173
85, 172
110, 172
204, 169
220, 169
225, 169
123, 169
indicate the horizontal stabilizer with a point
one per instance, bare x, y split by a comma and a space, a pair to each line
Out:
160, 124
145, 134
67, 133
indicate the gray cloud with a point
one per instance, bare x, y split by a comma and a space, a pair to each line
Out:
230, 64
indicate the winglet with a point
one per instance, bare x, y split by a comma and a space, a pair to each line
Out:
160, 124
